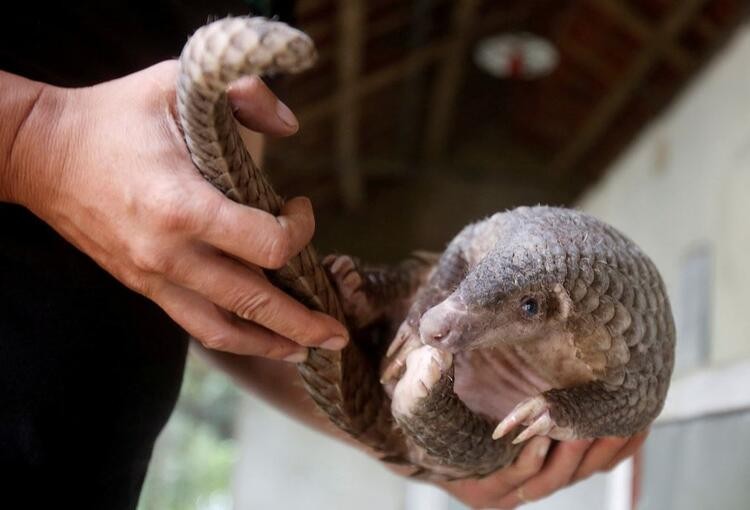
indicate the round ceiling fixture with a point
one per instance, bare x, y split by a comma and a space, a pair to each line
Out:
516, 55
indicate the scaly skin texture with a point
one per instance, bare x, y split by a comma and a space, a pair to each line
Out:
343, 384
601, 344
599, 347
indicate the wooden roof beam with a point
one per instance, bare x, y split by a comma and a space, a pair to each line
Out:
448, 83
707, 29
642, 30
585, 57
606, 111
414, 62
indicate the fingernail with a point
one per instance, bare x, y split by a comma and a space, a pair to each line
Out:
297, 357
334, 344
286, 115
543, 448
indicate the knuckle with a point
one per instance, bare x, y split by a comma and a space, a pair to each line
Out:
276, 352
137, 281
217, 342
253, 306
148, 258
142, 286
528, 469
176, 218
175, 214
209, 210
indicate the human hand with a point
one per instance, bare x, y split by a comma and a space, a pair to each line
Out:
539, 470
106, 167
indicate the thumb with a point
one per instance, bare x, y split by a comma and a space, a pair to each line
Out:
257, 108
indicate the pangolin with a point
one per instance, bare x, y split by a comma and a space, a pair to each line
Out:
534, 321
546, 321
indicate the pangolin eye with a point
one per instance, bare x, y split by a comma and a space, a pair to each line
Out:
529, 306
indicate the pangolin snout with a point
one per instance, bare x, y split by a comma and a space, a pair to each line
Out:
442, 325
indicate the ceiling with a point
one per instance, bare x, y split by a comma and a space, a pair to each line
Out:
396, 116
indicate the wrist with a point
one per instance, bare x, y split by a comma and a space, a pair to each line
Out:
26, 140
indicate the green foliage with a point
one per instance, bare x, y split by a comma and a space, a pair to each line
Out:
194, 457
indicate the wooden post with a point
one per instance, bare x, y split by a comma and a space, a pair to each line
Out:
351, 14
442, 103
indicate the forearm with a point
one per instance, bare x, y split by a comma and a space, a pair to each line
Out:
19, 105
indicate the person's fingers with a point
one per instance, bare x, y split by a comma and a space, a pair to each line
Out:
529, 462
482, 493
602, 452
632, 446
249, 295
257, 108
485, 493
526, 466
219, 330
556, 473
258, 237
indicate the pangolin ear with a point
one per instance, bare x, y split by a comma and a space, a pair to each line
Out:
563, 305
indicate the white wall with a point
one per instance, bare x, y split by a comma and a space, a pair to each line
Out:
683, 187
285, 465
685, 183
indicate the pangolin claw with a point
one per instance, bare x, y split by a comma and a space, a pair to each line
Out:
535, 414
542, 426
525, 413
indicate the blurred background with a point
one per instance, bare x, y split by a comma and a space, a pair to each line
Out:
424, 115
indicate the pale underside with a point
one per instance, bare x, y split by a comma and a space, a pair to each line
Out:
492, 381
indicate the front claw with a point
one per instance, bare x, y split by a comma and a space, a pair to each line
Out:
426, 366
535, 414
394, 363
349, 283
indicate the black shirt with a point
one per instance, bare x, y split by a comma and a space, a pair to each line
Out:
89, 371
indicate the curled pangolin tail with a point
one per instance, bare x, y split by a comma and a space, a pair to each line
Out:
344, 384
